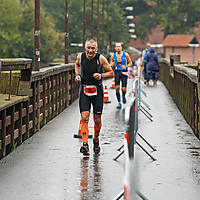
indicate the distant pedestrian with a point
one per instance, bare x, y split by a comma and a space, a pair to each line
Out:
88, 68
120, 60
152, 66
144, 62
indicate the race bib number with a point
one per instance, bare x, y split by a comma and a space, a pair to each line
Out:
125, 73
90, 90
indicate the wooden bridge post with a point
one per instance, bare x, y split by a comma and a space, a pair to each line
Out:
198, 98
198, 71
171, 67
174, 59
3, 127
37, 36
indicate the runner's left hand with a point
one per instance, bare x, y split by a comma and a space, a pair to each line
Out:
123, 67
97, 76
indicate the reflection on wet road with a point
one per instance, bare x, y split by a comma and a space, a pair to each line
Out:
84, 177
90, 182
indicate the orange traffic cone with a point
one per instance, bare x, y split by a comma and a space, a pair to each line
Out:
113, 83
129, 75
79, 132
106, 97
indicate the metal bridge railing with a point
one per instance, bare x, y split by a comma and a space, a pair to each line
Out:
130, 139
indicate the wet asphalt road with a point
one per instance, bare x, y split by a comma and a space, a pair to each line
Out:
48, 166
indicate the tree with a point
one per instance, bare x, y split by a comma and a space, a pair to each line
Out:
52, 41
56, 9
119, 24
26, 27
174, 16
119, 28
17, 26
17, 29
10, 37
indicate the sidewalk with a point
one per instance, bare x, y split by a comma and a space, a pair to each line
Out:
49, 166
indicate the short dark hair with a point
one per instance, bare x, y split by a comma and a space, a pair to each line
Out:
92, 40
118, 43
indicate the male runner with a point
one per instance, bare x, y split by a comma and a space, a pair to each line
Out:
121, 61
88, 69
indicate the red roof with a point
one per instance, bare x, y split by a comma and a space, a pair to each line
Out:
177, 40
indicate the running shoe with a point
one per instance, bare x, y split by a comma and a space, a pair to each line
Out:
96, 147
85, 149
119, 106
124, 99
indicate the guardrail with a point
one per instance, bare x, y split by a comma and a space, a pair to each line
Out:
183, 84
52, 90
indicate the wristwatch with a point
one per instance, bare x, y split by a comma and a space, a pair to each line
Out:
77, 75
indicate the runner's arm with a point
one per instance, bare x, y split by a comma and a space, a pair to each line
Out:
112, 62
77, 68
129, 61
107, 67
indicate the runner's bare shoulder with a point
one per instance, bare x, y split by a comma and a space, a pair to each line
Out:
78, 59
102, 59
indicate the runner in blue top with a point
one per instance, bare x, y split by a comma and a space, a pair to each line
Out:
120, 61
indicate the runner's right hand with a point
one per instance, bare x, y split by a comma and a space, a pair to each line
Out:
78, 78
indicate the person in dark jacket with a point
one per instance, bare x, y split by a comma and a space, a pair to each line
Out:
152, 66
144, 63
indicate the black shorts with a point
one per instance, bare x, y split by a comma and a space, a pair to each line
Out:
119, 76
96, 101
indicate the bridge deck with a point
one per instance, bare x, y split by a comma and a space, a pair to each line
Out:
48, 166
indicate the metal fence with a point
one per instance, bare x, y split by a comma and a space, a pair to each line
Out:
130, 140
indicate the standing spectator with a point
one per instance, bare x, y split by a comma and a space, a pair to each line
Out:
144, 62
121, 61
152, 66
